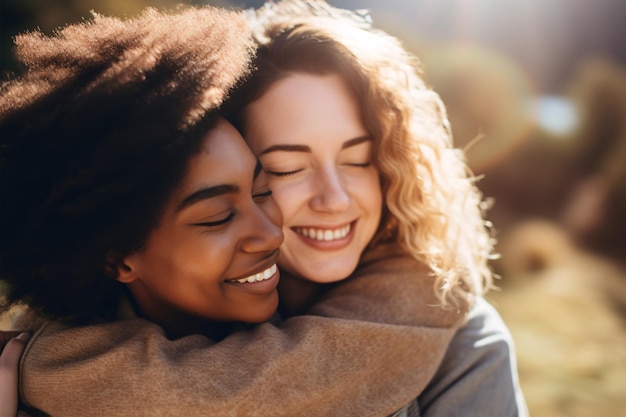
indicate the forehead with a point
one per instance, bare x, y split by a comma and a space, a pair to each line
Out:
224, 158
302, 106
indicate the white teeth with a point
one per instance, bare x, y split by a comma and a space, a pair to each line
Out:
261, 276
324, 234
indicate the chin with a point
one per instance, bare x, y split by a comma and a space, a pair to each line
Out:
262, 314
321, 276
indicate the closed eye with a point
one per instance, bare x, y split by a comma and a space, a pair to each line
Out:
284, 173
218, 222
262, 196
363, 165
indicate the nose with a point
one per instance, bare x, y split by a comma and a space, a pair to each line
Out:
330, 194
263, 228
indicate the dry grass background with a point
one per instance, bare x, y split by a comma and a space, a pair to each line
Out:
565, 308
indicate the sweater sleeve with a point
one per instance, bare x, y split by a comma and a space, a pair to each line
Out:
366, 349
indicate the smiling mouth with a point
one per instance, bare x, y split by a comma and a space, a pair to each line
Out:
326, 235
258, 277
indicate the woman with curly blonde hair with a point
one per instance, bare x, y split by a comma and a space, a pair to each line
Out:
342, 120
432, 208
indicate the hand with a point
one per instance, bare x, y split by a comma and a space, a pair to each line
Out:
12, 345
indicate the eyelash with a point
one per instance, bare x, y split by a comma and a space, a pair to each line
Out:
219, 222
289, 173
228, 218
283, 174
267, 193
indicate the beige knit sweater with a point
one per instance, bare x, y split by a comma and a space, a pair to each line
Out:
367, 348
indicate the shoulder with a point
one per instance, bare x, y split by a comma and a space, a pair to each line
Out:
479, 370
483, 341
484, 322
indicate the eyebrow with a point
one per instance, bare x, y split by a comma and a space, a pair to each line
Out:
206, 193
287, 148
356, 141
211, 192
305, 148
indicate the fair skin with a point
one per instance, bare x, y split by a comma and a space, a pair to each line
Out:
213, 255
9, 360
307, 132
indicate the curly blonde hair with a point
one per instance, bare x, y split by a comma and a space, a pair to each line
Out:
433, 208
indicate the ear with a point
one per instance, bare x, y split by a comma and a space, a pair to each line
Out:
125, 269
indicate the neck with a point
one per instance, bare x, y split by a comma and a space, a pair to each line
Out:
177, 324
297, 295
188, 325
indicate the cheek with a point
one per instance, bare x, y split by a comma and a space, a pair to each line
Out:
288, 198
272, 210
377, 196
197, 257
368, 190
152, 262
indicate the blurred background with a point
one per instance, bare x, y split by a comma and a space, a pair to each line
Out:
536, 94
